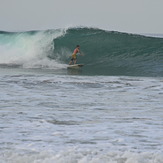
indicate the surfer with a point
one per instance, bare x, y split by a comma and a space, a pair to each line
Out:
74, 55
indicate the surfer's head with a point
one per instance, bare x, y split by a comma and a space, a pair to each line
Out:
78, 46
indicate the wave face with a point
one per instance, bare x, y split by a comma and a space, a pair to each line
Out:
105, 52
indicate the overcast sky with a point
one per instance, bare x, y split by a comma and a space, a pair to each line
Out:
134, 16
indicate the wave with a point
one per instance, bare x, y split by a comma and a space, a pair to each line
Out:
105, 52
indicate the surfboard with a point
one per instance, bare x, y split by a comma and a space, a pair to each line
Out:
75, 66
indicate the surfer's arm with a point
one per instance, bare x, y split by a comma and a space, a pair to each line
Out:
81, 54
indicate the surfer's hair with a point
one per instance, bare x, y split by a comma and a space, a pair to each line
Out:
77, 46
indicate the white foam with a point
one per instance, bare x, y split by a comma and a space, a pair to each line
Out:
75, 155
30, 50
109, 119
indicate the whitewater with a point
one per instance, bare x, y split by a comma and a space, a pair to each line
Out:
110, 111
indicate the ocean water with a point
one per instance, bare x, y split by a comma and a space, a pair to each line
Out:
110, 111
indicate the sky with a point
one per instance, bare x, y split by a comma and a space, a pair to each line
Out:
132, 16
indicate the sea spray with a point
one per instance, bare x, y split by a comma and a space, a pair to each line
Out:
29, 49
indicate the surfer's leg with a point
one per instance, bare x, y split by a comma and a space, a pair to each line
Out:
75, 60
70, 63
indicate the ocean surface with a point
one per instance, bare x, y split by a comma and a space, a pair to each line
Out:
109, 111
